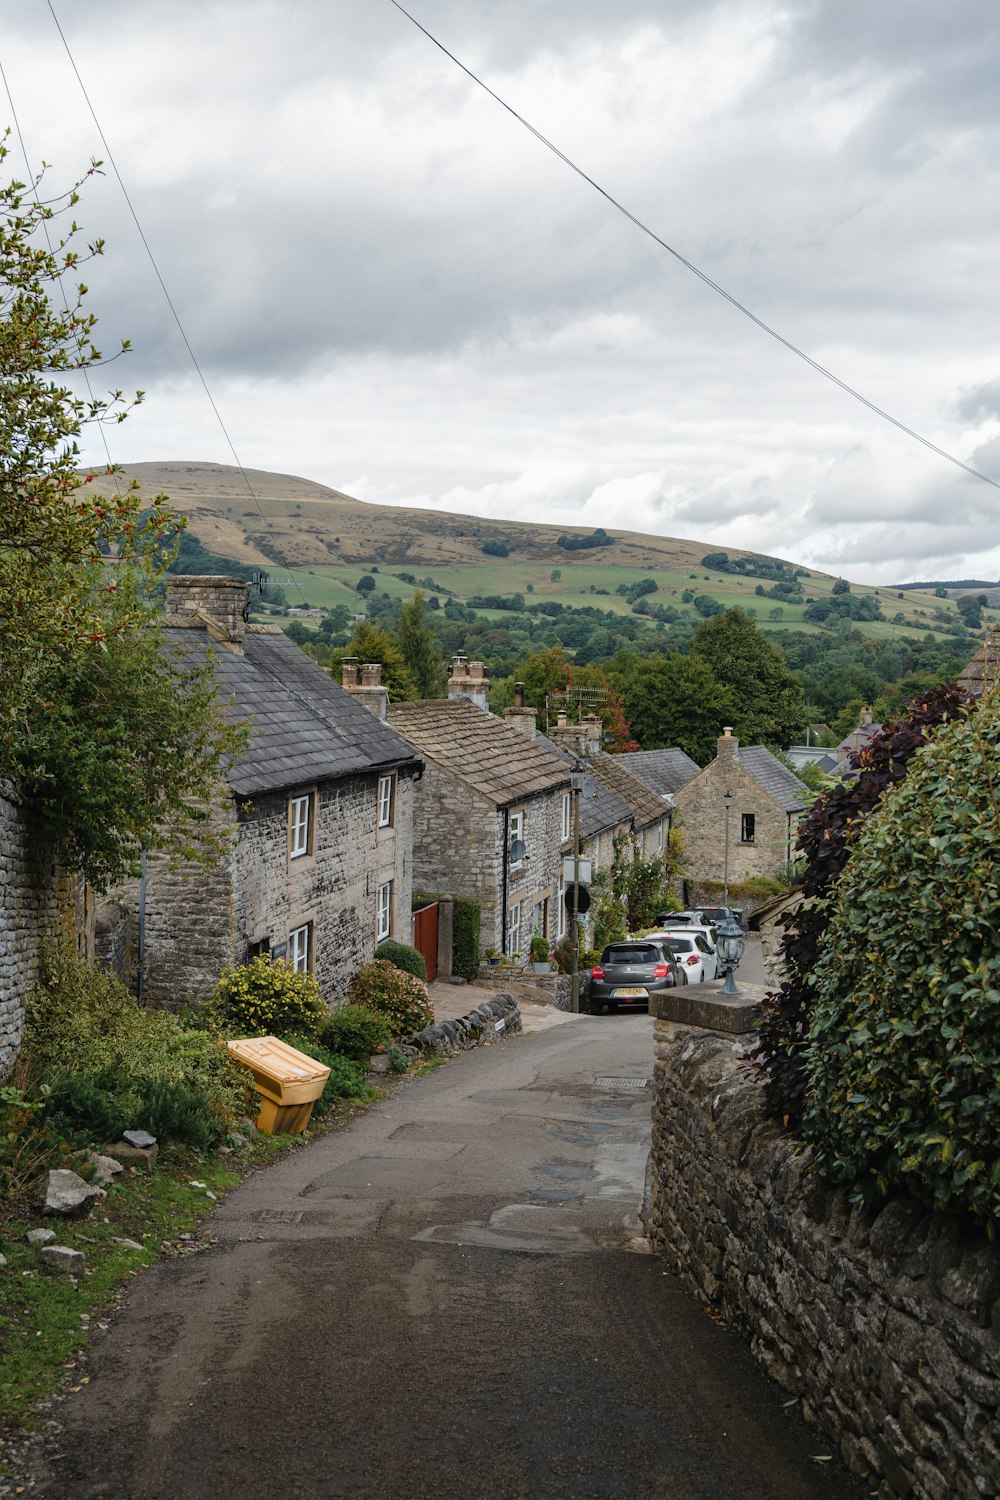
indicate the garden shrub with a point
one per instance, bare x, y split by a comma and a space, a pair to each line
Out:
355, 1032
465, 938
113, 1064
30, 1143
903, 1053
403, 956
402, 998
266, 998
346, 1080
827, 835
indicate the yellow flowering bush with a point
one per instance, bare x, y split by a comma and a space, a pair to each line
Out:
266, 998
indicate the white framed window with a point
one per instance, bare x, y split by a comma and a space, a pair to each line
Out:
300, 949
383, 912
561, 909
515, 829
300, 826
386, 800
567, 821
659, 835
515, 927
748, 828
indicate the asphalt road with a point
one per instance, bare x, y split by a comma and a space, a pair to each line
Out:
445, 1299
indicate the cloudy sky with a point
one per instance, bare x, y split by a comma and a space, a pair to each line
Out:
393, 289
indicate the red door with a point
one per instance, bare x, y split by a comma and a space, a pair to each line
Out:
425, 937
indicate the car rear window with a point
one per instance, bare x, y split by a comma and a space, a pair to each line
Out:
640, 954
681, 944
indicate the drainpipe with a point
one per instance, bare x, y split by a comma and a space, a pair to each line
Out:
503, 884
142, 925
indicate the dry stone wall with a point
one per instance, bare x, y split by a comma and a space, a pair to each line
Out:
885, 1324
37, 906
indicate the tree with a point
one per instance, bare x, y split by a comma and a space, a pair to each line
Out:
419, 649
117, 743
677, 701
370, 643
365, 584
769, 705
841, 587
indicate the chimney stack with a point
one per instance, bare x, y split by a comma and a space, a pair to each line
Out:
210, 602
364, 682
524, 720
469, 680
728, 745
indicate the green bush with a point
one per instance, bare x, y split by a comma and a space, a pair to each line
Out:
267, 998
903, 1054
400, 997
114, 1064
346, 1080
403, 956
355, 1032
465, 938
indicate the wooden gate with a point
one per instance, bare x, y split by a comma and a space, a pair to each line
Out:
425, 937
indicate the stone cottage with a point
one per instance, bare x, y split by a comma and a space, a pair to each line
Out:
319, 866
767, 803
492, 814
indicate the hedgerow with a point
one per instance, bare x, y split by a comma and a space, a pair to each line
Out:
826, 839
903, 1054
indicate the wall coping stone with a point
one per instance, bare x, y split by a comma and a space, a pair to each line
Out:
702, 1006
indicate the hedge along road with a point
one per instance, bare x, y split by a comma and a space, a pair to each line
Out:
440, 1300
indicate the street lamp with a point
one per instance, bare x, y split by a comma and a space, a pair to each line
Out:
727, 798
730, 945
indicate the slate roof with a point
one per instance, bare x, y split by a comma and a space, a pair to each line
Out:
305, 727
500, 762
662, 770
604, 810
777, 780
647, 806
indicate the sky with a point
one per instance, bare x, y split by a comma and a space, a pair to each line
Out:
392, 288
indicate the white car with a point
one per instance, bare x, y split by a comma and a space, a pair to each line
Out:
694, 950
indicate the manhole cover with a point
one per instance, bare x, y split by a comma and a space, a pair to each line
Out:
621, 1083
279, 1216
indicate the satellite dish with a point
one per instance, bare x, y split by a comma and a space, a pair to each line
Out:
517, 851
608, 737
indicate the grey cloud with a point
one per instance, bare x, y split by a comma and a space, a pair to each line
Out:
978, 402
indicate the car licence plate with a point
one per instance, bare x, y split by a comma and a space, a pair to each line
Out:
632, 993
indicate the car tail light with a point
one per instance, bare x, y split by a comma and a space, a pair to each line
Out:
692, 958
661, 971
597, 972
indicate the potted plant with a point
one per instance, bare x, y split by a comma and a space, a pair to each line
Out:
492, 957
538, 953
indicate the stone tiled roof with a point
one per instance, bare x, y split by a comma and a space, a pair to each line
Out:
662, 770
984, 668
647, 806
604, 810
500, 762
777, 780
305, 727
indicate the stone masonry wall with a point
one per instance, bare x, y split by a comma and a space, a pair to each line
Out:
37, 906
455, 843
885, 1324
537, 879
703, 819
198, 920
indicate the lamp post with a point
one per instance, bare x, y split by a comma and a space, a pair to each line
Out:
730, 943
727, 798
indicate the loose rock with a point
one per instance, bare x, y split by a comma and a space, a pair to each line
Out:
140, 1138
143, 1158
36, 1238
127, 1244
65, 1193
62, 1261
104, 1169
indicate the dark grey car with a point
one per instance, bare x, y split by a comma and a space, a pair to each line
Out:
629, 972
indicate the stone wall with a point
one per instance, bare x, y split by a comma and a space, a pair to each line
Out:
37, 906
886, 1325
702, 816
542, 989
493, 1021
199, 920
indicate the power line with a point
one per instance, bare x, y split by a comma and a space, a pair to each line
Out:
173, 309
690, 266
